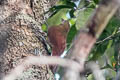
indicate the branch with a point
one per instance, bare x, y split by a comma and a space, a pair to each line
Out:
35, 60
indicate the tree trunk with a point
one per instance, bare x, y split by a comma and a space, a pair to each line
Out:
21, 36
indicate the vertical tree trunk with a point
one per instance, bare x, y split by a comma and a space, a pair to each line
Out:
20, 27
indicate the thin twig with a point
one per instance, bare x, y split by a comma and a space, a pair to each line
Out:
108, 38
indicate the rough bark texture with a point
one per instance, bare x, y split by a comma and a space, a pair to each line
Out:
20, 27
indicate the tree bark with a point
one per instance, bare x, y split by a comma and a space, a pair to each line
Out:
21, 36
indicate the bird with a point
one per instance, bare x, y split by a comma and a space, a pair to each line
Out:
57, 35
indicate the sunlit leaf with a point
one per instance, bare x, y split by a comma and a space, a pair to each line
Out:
57, 18
44, 27
83, 17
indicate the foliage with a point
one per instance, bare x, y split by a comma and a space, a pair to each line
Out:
107, 48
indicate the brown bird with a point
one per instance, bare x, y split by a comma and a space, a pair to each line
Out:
57, 36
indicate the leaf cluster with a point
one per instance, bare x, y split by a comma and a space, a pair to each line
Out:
106, 51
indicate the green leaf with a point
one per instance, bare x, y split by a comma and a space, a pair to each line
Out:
61, 7
81, 4
96, 1
71, 35
90, 77
83, 17
72, 13
98, 50
44, 27
109, 73
68, 2
57, 18
117, 49
72, 21
110, 55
